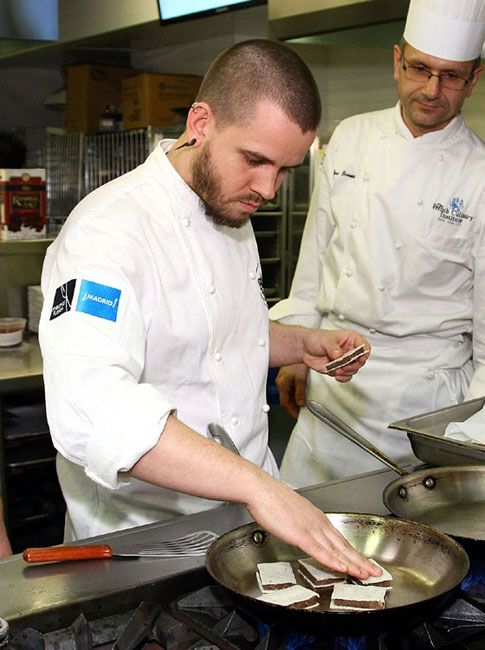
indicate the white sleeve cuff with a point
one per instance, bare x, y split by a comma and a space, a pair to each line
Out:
293, 311
125, 432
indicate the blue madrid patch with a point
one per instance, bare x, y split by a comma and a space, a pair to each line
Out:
98, 300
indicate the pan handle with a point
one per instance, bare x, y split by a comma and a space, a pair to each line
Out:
325, 415
217, 433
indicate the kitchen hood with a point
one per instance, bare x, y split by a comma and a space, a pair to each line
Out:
377, 23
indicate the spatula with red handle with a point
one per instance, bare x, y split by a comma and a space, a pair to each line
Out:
194, 544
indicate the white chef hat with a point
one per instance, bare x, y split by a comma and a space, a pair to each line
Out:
449, 29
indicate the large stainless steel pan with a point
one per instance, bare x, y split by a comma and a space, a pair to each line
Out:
426, 435
451, 499
426, 566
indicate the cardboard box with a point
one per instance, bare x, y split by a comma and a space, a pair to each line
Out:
22, 204
90, 88
147, 99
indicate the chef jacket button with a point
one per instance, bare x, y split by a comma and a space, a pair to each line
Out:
441, 157
372, 330
353, 224
211, 289
265, 408
348, 274
252, 275
397, 244
381, 287
365, 177
186, 222
341, 316
420, 201
217, 356
261, 343
430, 374
234, 420
383, 136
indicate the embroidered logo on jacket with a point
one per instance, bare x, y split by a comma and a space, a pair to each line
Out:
261, 289
259, 276
98, 300
63, 299
454, 213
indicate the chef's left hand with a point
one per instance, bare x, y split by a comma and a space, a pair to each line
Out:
322, 346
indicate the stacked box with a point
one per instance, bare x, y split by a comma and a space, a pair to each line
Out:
22, 204
150, 99
90, 88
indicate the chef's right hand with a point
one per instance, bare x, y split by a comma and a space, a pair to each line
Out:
285, 513
291, 382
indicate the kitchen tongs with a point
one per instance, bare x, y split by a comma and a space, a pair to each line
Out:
191, 545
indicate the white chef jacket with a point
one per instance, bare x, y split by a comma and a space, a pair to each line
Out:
149, 308
393, 247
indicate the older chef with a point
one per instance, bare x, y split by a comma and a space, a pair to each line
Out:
155, 323
394, 247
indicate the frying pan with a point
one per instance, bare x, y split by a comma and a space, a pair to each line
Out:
426, 566
451, 499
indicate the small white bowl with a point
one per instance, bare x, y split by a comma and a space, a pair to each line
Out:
11, 331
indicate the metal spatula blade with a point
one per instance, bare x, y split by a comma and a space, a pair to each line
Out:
190, 545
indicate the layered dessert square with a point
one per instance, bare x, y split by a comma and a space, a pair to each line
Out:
317, 576
275, 575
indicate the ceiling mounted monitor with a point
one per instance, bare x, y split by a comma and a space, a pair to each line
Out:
172, 11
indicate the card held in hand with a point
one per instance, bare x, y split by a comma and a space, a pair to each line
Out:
345, 358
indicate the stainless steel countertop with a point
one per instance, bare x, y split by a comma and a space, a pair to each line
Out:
36, 591
21, 366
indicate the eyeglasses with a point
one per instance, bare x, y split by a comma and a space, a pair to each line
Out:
422, 74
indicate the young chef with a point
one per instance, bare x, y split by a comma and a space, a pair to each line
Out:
394, 247
155, 323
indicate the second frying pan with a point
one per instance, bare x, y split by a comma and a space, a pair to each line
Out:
450, 499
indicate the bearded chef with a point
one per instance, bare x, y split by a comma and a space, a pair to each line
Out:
155, 323
394, 247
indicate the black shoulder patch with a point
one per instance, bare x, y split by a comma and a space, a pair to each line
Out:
63, 299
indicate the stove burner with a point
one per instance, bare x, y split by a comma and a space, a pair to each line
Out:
474, 582
211, 618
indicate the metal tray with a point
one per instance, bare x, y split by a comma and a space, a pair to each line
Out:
426, 431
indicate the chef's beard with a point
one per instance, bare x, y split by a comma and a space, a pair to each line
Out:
207, 183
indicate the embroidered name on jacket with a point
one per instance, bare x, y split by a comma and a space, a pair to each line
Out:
63, 299
98, 300
343, 173
452, 213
